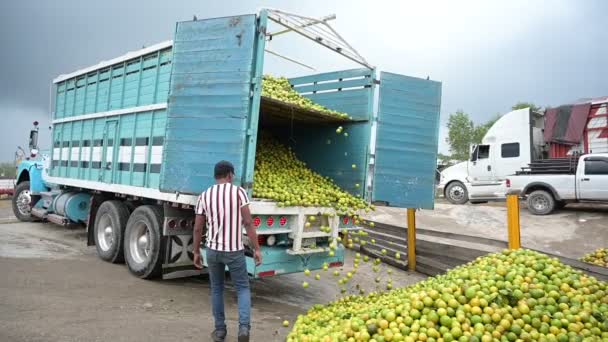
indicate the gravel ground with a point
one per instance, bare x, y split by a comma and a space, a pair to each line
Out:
54, 288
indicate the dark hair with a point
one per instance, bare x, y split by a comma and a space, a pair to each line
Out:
223, 169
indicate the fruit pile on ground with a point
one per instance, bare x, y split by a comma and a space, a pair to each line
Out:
599, 257
510, 296
279, 88
280, 176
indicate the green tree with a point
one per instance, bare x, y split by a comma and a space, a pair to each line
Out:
522, 105
7, 170
460, 134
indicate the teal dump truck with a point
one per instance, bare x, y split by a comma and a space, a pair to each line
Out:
135, 138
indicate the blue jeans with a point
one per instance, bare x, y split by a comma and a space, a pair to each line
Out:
217, 262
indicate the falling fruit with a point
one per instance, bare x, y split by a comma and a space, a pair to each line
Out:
305, 285
336, 273
373, 241
307, 224
397, 255
354, 166
285, 323
307, 272
346, 134
331, 253
280, 176
317, 276
371, 224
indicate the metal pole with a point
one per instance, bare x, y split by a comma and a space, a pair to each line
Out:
513, 226
411, 239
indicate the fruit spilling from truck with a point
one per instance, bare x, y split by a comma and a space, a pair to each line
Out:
135, 138
511, 296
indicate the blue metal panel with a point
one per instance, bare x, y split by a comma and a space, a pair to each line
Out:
209, 101
406, 144
348, 91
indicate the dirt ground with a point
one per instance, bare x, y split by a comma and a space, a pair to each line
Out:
54, 288
571, 232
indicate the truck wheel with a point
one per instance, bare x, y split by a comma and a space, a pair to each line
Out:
144, 243
109, 229
22, 202
456, 193
540, 202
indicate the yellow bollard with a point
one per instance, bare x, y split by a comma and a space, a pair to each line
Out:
513, 220
411, 239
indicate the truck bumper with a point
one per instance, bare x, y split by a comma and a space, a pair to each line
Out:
276, 261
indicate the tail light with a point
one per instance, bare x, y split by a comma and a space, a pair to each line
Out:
266, 274
261, 240
508, 182
269, 221
336, 264
257, 221
282, 221
172, 224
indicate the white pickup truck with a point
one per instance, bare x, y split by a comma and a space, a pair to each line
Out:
552, 184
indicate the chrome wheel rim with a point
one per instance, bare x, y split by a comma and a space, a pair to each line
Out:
456, 193
105, 235
23, 203
139, 243
540, 203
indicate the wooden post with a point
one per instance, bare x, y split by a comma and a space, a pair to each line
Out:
513, 226
411, 239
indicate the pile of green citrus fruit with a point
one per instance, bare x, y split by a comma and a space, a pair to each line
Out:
599, 257
281, 177
510, 296
279, 88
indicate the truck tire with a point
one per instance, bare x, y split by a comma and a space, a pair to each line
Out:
456, 193
109, 230
144, 244
540, 202
22, 202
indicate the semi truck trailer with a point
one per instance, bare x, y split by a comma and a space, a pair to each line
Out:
135, 138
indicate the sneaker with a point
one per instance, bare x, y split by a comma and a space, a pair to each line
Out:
218, 335
243, 334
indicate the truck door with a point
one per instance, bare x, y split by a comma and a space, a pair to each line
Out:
480, 165
593, 180
214, 100
108, 151
405, 155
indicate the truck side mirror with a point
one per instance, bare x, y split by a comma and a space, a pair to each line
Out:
33, 139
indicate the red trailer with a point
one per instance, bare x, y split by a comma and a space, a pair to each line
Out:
577, 128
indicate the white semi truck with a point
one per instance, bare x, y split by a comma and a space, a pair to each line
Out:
510, 144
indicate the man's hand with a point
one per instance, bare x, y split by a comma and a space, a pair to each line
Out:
198, 261
257, 256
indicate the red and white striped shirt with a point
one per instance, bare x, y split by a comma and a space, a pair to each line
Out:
221, 204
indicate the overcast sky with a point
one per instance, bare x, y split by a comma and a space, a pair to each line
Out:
487, 54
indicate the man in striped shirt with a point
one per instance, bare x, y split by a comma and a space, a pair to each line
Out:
222, 209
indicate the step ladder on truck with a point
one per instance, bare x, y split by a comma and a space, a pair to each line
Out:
135, 138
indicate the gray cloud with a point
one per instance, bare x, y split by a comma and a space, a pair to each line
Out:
488, 55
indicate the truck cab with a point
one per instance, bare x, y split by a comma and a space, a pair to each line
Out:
510, 144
